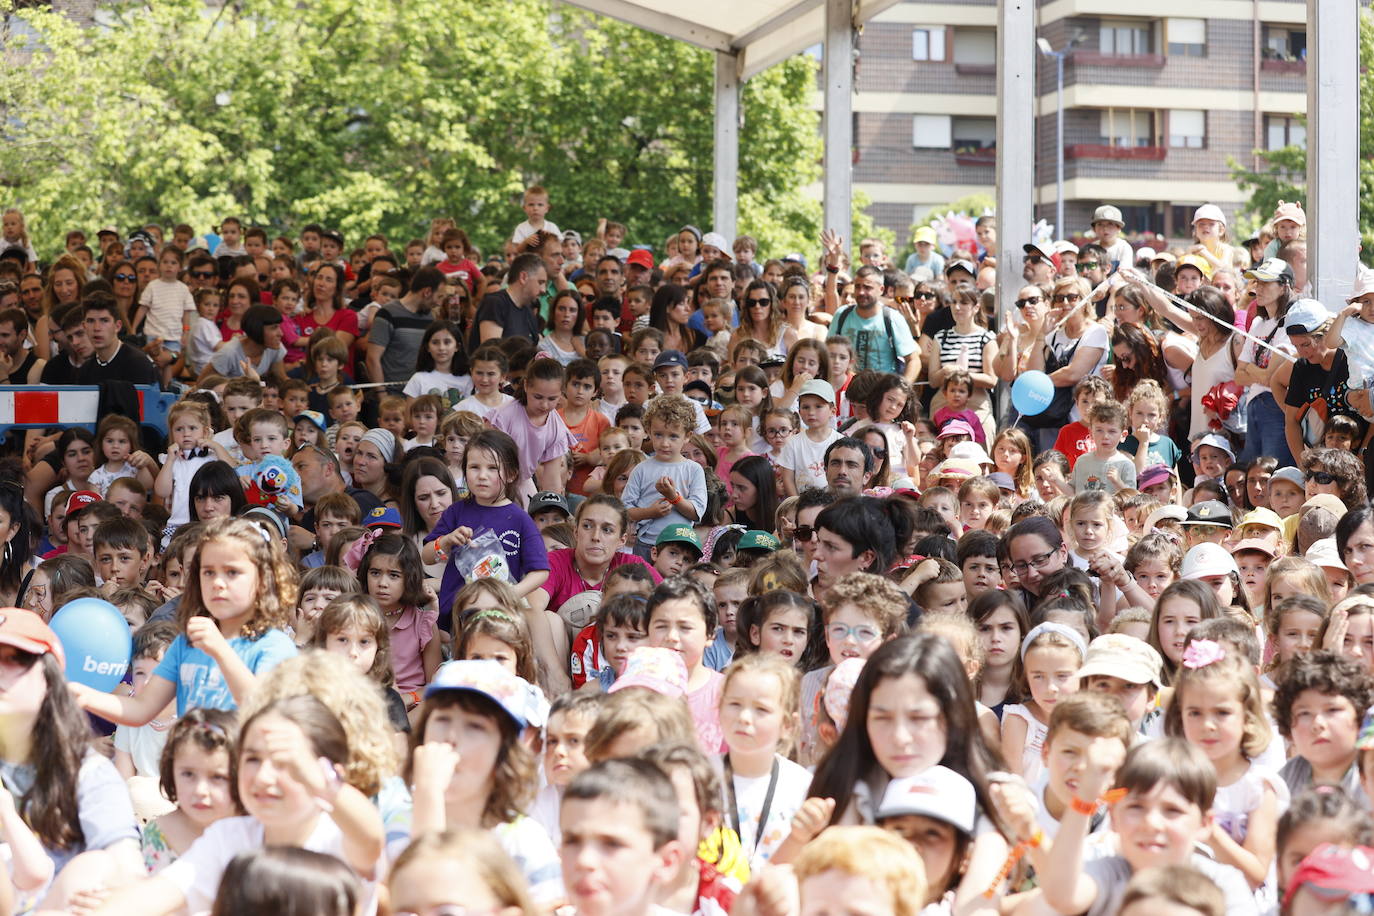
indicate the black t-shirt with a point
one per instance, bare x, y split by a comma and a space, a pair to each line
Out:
20, 375
366, 500
514, 320
1322, 389
60, 371
127, 365
942, 319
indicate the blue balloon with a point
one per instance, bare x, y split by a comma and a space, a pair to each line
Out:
1032, 392
96, 640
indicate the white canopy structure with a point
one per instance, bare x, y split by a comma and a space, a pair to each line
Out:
748, 36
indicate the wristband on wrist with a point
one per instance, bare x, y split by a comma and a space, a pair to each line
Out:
1089, 808
831, 270
1013, 857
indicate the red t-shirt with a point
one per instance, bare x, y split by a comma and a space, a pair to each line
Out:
1074, 441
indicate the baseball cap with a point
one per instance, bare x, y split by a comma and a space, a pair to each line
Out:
1045, 251
642, 257
1165, 513
383, 517
1290, 475
924, 234
1003, 480
1333, 873
1330, 502
1210, 512
1253, 544
1323, 553
1204, 560
27, 632
572, 234
1064, 246
1215, 440
1270, 269
670, 358
1195, 261
936, 792
697, 384
80, 500
795, 257
1166, 256
820, 388
960, 264
956, 427
1119, 655
657, 669
547, 499
678, 534
1266, 518
1305, 316
1145, 253
108, 230
1209, 211
718, 240
1108, 214
758, 540
520, 699
1153, 475
1290, 210
314, 416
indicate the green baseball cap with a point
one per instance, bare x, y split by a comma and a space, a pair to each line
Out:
758, 540
680, 534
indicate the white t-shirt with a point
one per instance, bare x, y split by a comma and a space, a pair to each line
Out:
144, 744
750, 792
472, 405
205, 337
534, 853
1251, 353
1094, 335
437, 383
806, 459
525, 230
1357, 336
197, 873
167, 301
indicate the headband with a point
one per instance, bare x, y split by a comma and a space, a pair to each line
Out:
385, 440
1059, 629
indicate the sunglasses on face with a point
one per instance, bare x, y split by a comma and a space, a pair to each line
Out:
804, 533
1321, 477
1067, 297
755, 303
203, 274
925, 294
1022, 303
1087, 265
1034, 259
125, 278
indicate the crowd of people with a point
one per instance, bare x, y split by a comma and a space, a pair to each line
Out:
621, 577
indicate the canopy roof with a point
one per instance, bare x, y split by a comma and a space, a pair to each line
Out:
760, 32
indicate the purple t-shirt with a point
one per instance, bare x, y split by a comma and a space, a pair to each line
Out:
518, 534
537, 444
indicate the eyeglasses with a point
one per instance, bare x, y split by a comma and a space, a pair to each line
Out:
804, 533
776, 430
1321, 477
1087, 265
863, 633
1022, 303
1038, 562
203, 274
1067, 297
125, 278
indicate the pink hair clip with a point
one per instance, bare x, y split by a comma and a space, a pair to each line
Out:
1201, 653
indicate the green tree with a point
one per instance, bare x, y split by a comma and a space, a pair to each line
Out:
375, 117
1284, 174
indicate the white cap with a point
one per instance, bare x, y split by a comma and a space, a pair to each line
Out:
970, 451
1205, 560
1170, 512
1325, 554
937, 792
1209, 211
1064, 245
1145, 254
717, 240
1364, 283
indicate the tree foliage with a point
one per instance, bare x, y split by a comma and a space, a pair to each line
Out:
1285, 173
372, 117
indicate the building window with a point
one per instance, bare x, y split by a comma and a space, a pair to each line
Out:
1281, 131
1187, 129
931, 132
1125, 37
1127, 127
1186, 37
974, 133
928, 42
1283, 42
975, 46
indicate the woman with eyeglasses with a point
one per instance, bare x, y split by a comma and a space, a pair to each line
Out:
1068, 347
1035, 549
761, 319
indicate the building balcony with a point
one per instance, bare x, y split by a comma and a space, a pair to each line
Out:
975, 69
1103, 151
1098, 59
1284, 66
972, 155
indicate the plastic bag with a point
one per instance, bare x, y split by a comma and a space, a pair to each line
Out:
483, 558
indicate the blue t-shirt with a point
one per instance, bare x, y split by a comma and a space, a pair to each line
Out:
518, 533
200, 683
641, 491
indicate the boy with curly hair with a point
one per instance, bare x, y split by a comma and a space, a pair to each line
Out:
667, 489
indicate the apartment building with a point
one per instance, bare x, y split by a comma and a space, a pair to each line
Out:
1157, 101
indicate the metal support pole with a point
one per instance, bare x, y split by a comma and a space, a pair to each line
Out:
1059, 147
725, 213
1333, 147
1015, 135
838, 124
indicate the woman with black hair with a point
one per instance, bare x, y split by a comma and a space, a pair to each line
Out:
669, 312
259, 353
859, 534
215, 492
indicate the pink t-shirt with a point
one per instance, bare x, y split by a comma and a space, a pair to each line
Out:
411, 631
537, 444
704, 703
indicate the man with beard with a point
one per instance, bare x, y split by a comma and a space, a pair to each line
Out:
881, 337
18, 366
848, 466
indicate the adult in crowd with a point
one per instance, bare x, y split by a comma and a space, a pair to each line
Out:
112, 360
1067, 347
323, 305
511, 312
259, 353
321, 475
398, 329
1272, 285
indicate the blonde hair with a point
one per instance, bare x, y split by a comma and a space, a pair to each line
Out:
1309, 579
474, 849
958, 630
1147, 390
888, 861
503, 626
1233, 668
635, 708
196, 408
354, 700
789, 689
